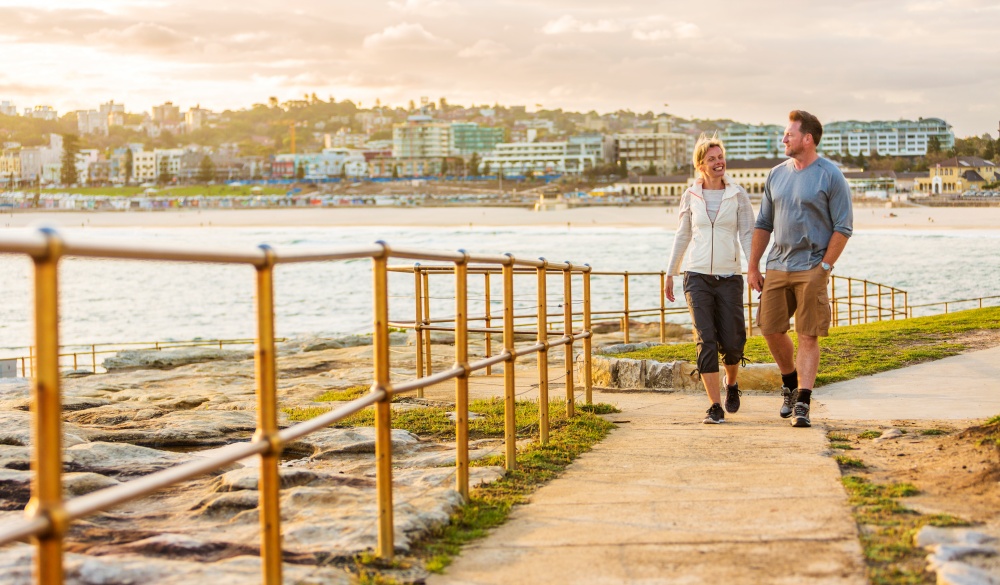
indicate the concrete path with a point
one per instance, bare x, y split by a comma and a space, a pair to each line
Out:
667, 499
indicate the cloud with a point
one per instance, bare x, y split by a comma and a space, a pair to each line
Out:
143, 36
660, 28
435, 8
484, 48
568, 24
405, 36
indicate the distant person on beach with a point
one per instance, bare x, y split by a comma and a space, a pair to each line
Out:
807, 205
716, 219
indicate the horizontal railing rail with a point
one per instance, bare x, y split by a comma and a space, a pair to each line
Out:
48, 516
946, 305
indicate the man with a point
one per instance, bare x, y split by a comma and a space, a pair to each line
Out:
807, 205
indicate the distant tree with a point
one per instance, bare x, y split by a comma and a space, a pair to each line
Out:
395, 171
71, 147
650, 170
933, 145
300, 172
206, 170
486, 168
164, 176
272, 102
444, 167
474, 164
129, 165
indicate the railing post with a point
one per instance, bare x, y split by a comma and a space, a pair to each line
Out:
93, 358
625, 319
833, 300
880, 301
866, 300
510, 430
462, 382
543, 356
588, 373
269, 484
489, 336
383, 416
427, 316
663, 303
568, 332
850, 301
418, 325
46, 421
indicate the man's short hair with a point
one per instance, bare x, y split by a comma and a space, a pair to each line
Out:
808, 123
701, 148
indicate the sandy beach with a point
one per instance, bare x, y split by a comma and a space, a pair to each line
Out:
865, 217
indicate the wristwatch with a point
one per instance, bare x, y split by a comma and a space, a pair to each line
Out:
827, 267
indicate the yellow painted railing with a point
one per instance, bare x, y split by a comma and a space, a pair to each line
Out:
48, 516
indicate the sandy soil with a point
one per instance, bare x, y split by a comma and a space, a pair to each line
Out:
865, 217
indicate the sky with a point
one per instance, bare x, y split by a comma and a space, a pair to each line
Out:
747, 61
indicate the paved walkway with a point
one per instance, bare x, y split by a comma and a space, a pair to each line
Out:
666, 499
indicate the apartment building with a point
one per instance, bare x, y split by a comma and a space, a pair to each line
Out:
113, 113
195, 118
42, 113
468, 138
91, 122
7, 108
748, 142
751, 174
331, 162
896, 138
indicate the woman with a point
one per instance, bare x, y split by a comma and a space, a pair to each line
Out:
716, 219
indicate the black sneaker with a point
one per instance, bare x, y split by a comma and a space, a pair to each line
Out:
788, 397
801, 418
715, 415
732, 398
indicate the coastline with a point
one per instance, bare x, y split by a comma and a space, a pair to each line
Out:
865, 217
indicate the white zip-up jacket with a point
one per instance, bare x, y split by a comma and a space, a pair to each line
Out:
712, 246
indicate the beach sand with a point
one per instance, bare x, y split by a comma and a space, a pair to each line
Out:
865, 217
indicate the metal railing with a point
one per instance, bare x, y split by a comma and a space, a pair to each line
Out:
853, 301
76, 359
946, 305
48, 516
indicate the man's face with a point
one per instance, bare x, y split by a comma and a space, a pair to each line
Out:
794, 140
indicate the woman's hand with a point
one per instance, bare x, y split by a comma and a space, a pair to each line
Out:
668, 289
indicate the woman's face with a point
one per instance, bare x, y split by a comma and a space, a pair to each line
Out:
714, 165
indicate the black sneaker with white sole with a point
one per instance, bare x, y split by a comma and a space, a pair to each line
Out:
801, 415
715, 415
732, 398
788, 398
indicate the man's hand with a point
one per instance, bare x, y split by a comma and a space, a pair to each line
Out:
755, 278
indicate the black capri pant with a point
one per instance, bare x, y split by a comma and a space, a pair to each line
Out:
716, 305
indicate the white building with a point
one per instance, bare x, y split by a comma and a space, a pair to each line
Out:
7, 108
344, 138
421, 137
748, 142
91, 122
567, 156
42, 113
898, 138
113, 113
195, 118
332, 162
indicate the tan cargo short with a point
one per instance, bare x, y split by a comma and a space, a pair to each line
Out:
801, 294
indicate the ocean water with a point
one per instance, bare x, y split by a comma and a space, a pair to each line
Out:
115, 301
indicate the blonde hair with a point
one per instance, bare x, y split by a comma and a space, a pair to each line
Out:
701, 148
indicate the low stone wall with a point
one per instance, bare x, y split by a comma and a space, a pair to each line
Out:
633, 374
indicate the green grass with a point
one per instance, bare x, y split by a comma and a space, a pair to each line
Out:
932, 432
178, 191
346, 395
870, 435
861, 350
849, 462
837, 436
841, 446
887, 529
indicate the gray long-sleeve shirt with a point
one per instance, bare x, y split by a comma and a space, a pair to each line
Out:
802, 209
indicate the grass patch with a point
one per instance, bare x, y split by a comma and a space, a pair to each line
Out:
841, 446
346, 395
887, 529
870, 434
837, 437
932, 432
849, 462
861, 350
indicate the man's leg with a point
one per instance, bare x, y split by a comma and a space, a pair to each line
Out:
783, 351
807, 361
